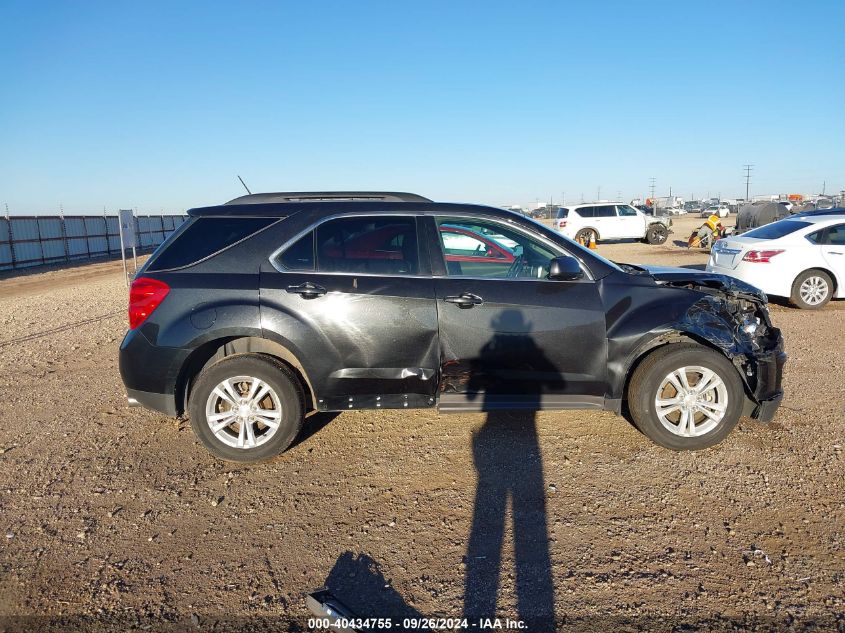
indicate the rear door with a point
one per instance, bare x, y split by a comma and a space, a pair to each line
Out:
833, 251
510, 338
354, 299
629, 223
606, 222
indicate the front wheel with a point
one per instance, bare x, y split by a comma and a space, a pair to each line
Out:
685, 397
656, 234
246, 408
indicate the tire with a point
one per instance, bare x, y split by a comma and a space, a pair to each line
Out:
656, 234
649, 382
584, 236
812, 289
278, 400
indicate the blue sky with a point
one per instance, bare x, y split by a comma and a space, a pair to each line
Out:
158, 105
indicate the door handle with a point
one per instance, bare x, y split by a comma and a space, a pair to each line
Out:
465, 300
307, 290
834, 253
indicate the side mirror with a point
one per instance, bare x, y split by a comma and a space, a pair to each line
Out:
565, 268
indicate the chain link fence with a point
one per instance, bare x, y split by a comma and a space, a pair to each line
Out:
34, 240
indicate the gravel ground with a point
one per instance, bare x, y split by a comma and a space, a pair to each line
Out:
114, 518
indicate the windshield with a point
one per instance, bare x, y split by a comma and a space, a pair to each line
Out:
776, 229
575, 246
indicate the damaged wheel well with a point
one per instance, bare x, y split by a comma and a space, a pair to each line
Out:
216, 350
672, 338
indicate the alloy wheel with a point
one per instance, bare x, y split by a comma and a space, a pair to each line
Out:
813, 290
691, 401
243, 412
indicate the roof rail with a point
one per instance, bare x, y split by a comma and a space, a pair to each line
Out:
328, 196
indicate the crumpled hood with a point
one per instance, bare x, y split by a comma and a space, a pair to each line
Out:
685, 277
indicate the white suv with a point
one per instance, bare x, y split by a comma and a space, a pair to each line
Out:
610, 221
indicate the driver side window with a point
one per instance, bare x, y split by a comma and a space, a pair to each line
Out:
477, 248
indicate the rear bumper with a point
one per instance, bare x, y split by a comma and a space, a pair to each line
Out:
161, 402
150, 372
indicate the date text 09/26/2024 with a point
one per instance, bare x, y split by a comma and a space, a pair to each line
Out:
441, 624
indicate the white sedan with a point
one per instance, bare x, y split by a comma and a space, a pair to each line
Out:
721, 211
801, 257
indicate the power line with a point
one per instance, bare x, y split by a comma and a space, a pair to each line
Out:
747, 169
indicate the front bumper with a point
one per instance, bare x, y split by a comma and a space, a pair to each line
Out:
767, 389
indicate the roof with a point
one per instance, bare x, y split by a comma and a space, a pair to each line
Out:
332, 207
819, 218
333, 196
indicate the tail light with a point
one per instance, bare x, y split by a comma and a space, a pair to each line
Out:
561, 224
145, 295
760, 257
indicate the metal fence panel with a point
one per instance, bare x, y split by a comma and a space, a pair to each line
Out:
77, 246
49, 228
53, 249
112, 225
24, 228
114, 243
5, 256
75, 226
95, 226
4, 230
27, 253
98, 246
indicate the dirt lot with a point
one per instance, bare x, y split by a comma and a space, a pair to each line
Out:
114, 517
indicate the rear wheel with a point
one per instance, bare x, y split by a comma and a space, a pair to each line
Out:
685, 397
246, 408
812, 290
585, 236
656, 234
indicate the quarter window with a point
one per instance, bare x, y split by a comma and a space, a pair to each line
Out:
300, 255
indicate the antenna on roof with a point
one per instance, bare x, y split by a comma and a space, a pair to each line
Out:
244, 184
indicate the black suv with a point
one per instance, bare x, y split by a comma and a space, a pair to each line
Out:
256, 312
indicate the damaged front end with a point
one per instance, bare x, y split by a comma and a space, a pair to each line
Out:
734, 317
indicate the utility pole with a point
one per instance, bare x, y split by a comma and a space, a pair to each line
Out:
653, 180
824, 186
598, 193
747, 169
7, 210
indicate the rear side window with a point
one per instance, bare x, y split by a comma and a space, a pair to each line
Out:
606, 212
375, 245
205, 237
776, 229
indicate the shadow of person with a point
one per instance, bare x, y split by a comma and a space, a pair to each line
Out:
507, 457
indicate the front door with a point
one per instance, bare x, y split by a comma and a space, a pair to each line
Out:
509, 337
352, 294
